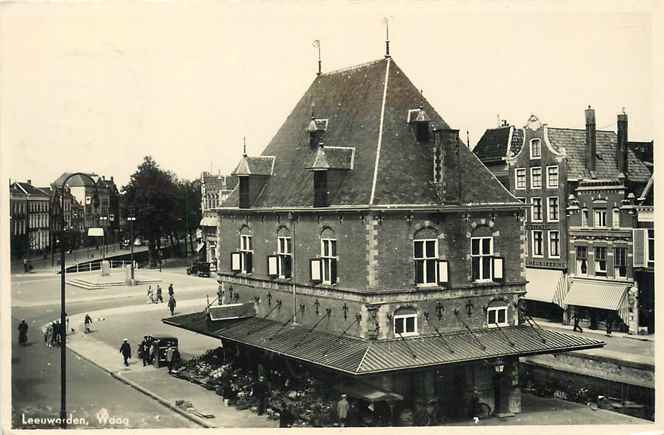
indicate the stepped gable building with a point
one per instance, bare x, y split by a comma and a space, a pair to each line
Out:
372, 246
29, 215
594, 172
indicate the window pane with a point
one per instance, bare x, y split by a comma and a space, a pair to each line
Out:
492, 317
486, 246
486, 267
333, 272
287, 266
501, 316
398, 326
419, 271
476, 268
248, 262
326, 248
431, 249
431, 271
333, 244
475, 247
410, 324
418, 249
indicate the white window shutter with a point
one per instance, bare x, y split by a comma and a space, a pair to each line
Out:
498, 272
272, 269
315, 269
443, 272
235, 261
640, 246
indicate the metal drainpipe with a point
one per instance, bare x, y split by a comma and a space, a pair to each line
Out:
293, 268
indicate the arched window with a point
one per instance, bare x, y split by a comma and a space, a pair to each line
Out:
535, 149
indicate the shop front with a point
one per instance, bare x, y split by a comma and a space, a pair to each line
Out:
603, 305
408, 381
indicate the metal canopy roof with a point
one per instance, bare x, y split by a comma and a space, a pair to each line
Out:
359, 357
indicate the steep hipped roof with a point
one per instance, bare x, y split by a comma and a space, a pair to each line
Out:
367, 109
493, 145
27, 189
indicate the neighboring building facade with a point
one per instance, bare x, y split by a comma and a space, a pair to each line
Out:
214, 191
30, 219
547, 168
106, 215
373, 246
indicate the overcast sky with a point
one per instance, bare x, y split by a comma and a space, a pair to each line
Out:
97, 86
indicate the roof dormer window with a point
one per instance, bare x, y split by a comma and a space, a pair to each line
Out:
535, 149
316, 128
421, 122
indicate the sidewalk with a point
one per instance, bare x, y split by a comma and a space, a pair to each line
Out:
569, 328
152, 381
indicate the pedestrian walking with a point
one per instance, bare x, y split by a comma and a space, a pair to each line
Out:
150, 295
23, 332
154, 353
609, 325
171, 292
160, 298
87, 324
342, 410
577, 319
176, 358
169, 358
125, 350
144, 351
48, 335
171, 305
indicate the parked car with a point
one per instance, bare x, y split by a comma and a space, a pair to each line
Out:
199, 268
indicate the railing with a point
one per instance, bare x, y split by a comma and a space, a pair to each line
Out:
96, 265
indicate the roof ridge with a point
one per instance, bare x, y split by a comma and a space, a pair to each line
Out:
579, 129
352, 68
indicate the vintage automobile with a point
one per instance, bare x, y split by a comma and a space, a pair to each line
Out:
199, 268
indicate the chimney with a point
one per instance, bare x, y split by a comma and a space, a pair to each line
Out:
591, 140
621, 149
451, 177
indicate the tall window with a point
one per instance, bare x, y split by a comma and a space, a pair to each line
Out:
535, 178
246, 254
285, 254
599, 220
615, 218
600, 261
520, 178
535, 149
536, 209
244, 192
552, 177
329, 260
554, 244
481, 252
553, 209
651, 247
584, 217
620, 262
496, 316
582, 260
538, 244
425, 254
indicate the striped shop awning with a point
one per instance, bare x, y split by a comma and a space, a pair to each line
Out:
605, 295
546, 285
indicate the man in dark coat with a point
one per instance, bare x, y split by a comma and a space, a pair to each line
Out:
144, 349
171, 305
23, 332
171, 292
125, 350
261, 393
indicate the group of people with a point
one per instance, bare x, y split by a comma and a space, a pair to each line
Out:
55, 331
148, 350
156, 297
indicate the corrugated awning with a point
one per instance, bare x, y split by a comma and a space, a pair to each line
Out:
597, 294
359, 357
232, 311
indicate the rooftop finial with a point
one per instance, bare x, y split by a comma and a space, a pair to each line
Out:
387, 37
244, 146
317, 45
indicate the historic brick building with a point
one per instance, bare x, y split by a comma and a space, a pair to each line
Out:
374, 246
29, 219
578, 184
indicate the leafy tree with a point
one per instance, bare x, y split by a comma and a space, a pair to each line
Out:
188, 214
152, 193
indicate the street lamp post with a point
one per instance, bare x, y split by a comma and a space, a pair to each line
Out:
103, 246
63, 314
131, 218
